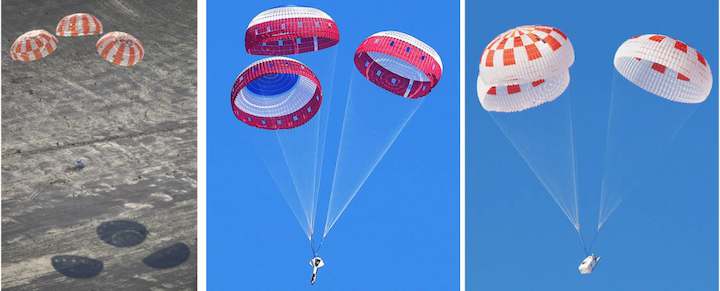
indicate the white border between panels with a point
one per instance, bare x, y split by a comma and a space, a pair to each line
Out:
201, 146
462, 145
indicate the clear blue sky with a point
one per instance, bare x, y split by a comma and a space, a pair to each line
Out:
663, 237
401, 232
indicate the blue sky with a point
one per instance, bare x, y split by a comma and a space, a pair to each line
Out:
662, 237
401, 232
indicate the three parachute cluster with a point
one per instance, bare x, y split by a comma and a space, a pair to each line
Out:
117, 47
528, 65
282, 93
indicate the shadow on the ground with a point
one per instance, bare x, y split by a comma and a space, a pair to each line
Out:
121, 233
169, 257
77, 266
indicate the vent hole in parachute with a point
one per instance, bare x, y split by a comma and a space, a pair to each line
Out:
273, 84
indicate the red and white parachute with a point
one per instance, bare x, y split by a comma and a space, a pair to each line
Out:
276, 93
290, 30
33, 45
399, 63
666, 67
524, 67
79, 24
120, 48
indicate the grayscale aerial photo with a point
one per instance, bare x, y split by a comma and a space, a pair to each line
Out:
99, 145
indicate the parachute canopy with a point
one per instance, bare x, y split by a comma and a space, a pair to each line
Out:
524, 67
399, 63
290, 30
79, 24
666, 67
276, 93
120, 48
33, 45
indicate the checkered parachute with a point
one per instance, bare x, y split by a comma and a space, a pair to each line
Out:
666, 67
79, 24
523, 74
399, 63
120, 48
290, 30
659, 83
524, 67
33, 45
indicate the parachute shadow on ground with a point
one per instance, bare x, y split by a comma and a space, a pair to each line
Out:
77, 266
168, 257
121, 233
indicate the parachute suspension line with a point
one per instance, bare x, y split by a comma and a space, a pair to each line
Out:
574, 166
290, 136
669, 117
533, 151
593, 241
319, 246
371, 150
601, 218
297, 168
328, 225
277, 96
575, 184
583, 242
312, 246
322, 133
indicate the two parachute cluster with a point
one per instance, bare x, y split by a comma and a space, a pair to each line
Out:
527, 66
282, 93
117, 47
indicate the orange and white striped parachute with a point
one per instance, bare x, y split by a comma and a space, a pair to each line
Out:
79, 24
666, 67
33, 45
120, 48
524, 67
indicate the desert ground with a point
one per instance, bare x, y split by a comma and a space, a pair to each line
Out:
128, 219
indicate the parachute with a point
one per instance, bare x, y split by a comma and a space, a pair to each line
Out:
399, 63
523, 75
395, 63
290, 30
666, 67
33, 45
120, 48
660, 84
523, 68
281, 95
276, 93
79, 24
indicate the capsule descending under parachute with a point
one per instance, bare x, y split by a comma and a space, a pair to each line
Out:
399, 63
276, 93
290, 30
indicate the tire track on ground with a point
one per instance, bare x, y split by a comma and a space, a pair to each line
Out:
101, 140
